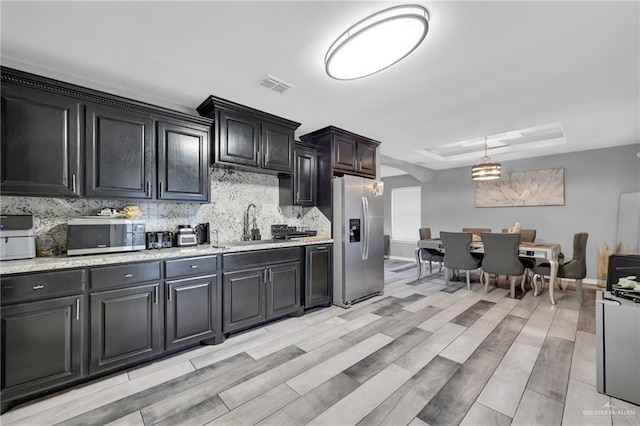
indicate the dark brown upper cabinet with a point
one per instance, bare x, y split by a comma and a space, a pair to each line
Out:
40, 152
63, 140
119, 153
238, 139
183, 162
350, 153
250, 139
300, 188
277, 147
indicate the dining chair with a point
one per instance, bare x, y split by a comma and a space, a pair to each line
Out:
575, 268
526, 236
501, 258
476, 231
457, 254
429, 255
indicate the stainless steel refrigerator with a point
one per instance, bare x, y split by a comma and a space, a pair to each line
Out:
358, 239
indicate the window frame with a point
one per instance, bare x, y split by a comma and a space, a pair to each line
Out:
405, 234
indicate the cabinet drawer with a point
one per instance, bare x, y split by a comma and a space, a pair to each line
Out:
260, 257
23, 288
190, 266
121, 275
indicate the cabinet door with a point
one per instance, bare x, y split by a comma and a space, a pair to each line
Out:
40, 143
304, 181
119, 153
244, 299
318, 279
344, 153
277, 147
237, 139
183, 162
191, 310
283, 289
125, 326
42, 344
366, 160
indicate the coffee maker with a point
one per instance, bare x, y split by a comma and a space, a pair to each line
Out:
202, 233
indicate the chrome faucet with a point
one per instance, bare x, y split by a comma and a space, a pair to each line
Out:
246, 233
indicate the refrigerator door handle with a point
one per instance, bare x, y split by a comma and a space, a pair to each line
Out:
365, 231
368, 230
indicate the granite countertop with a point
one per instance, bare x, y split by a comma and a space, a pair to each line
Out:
62, 262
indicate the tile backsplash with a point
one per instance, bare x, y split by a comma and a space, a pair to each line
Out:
231, 193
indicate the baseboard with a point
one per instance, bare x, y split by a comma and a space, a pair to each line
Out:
584, 281
408, 259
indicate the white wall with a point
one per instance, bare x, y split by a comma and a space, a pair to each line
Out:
594, 181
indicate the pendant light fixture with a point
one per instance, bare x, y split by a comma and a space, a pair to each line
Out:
485, 169
377, 42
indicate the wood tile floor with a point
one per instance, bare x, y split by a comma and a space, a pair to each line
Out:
421, 354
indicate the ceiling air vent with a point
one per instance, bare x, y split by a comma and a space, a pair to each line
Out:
275, 84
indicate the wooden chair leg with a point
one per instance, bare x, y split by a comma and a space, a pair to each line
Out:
486, 281
513, 286
446, 275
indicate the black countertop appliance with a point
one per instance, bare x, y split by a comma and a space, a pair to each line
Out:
202, 233
286, 232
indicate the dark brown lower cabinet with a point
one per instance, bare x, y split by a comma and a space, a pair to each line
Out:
191, 310
318, 275
255, 295
126, 326
41, 345
283, 289
243, 299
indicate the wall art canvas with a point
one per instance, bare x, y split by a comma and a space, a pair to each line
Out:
524, 189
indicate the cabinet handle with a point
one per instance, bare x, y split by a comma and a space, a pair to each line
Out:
298, 197
257, 158
321, 248
160, 189
38, 287
148, 189
194, 266
157, 290
128, 275
170, 291
73, 182
77, 309
264, 275
270, 275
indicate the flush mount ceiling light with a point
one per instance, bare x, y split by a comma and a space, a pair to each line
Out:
377, 42
486, 170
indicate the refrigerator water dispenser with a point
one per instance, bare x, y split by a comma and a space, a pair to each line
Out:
354, 230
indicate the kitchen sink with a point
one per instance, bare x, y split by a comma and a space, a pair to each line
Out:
247, 243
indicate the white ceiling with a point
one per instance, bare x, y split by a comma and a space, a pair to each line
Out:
484, 68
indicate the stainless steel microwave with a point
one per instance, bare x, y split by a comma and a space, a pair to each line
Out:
93, 235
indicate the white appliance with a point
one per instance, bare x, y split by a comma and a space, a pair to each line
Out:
358, 235
18, 237
618, 347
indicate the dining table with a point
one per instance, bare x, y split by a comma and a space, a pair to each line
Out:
546, 251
